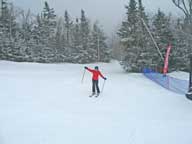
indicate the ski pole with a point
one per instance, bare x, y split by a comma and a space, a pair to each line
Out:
103, 86
83, 76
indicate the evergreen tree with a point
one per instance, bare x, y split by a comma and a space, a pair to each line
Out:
144, 42
45, 35
45, 39
24, 40
82, 53
84, 30
182, 47
76, 35
60, 40
126, 33
68, 28
133, 38
8, 28
162, 34
49, 21
99, 49
128, 26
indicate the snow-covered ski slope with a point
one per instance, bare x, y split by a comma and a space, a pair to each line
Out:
48, 104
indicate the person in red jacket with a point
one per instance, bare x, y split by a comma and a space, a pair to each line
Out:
95, 79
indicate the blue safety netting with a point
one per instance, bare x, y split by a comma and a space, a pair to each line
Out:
173, 84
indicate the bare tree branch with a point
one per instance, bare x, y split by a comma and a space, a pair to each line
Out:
178, 4
190, 6
185, 8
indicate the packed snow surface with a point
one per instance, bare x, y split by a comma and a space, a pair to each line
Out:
48, 104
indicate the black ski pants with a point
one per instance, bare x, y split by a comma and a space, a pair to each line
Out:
95, 84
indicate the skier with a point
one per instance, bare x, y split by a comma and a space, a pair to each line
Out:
95, 79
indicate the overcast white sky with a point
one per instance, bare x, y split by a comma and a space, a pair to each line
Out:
108, 12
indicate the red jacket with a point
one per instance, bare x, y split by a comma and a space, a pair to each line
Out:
96, 74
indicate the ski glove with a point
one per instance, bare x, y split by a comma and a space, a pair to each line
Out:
86, 67
105, 78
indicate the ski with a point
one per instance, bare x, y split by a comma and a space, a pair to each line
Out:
97, 95
92, 95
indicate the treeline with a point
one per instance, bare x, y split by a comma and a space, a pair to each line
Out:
138, 48
49, 38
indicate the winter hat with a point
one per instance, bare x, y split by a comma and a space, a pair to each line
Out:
96, 67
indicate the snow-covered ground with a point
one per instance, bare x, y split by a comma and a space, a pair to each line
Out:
181, 75
48, 104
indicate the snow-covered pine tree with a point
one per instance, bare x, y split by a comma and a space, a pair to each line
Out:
40, 40
25, 37
68, 28
69, 35
85, 30
129, 35
144, 42
49, 20
75, 52
3, 37
99, 49
60, 41
182, 47
43, 38
8, 28
76, 35
83, 55
163, 35
45, 32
